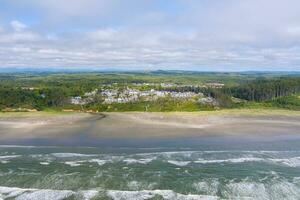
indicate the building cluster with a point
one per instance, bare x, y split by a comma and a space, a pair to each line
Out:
88, 97
110, 96
113, 94
167, 85
133, 95
171, 85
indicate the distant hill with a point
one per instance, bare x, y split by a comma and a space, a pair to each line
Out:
43, 70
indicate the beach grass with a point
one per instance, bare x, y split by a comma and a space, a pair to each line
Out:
242, 111
235, 112
35, 114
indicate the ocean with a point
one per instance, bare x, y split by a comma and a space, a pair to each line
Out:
206, 168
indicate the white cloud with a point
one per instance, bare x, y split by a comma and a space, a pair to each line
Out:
17, 26
203, 35
293, 31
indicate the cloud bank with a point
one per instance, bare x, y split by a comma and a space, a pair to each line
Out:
226, 35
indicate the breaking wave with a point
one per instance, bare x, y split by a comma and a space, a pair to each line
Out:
180, 158
182, 175
208, 190
46, 194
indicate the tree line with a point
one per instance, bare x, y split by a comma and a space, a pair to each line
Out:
265, 89
58, 94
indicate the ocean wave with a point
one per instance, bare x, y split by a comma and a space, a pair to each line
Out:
77, 163
243, 190
5, 159
179, 163
188, 153
16, 146
45, 194
231, 160
275, 190
44, 163
9, 157
290, 162
70, 155
170, 153
138, 161
208, 186
27, 146
138, 185
98, 161
207, 189
176, 158
148, 194
73, 163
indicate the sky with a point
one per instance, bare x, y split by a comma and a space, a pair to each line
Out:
202, 35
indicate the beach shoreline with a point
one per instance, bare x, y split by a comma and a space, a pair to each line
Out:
149, 125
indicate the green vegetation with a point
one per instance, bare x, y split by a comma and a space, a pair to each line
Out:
264, 89
52, 91
289, 102
161, 105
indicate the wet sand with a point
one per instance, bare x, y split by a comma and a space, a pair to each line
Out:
148, 125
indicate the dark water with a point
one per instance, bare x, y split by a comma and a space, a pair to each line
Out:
240, 167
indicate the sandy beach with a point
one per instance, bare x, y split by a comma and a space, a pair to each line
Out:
148, 125
232, 154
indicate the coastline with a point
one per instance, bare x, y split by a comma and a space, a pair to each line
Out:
149, 125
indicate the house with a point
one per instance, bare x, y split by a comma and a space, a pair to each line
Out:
77, 100
215, 85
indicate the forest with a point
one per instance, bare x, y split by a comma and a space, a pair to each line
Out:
42, 91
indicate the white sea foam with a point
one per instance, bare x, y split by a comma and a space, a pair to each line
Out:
130, 195
200, 154
137, 185
208, 187
76, 163
170, 153
246, 190
45, 194
133, 185
179, 163
73, 163
291, 162
275, 190
283, 190
148, 194
16, 146
9, 157
5, 159
296, 180
88, 194
243, 190
70, 155
138, 161
98, 161
44, 163
29, 146
34, 194
190, 153
231, 160
10, 192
